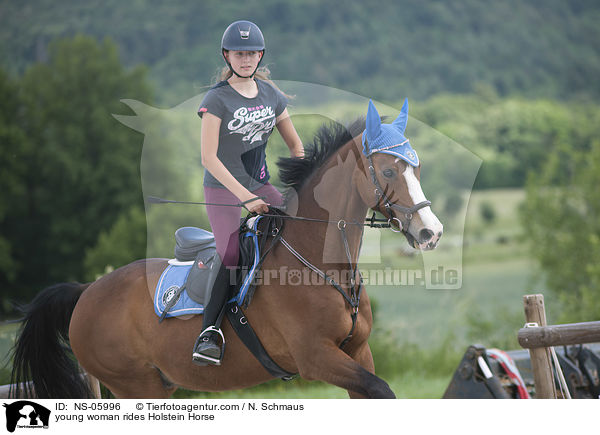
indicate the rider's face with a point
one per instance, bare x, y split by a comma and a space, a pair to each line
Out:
243, 62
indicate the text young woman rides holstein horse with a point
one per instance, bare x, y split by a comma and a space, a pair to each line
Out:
114, 332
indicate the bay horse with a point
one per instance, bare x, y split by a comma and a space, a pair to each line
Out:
115, 335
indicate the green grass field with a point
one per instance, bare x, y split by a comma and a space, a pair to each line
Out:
420, 334
406, 386
496, 273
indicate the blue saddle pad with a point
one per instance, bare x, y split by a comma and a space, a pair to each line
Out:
172, 278
175, 276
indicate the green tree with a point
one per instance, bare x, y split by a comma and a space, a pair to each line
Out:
13, 143
79, 167
561, 217
124, 242
381, 49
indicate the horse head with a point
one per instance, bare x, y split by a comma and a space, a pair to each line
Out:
392, 186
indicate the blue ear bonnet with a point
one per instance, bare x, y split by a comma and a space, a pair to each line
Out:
388, 138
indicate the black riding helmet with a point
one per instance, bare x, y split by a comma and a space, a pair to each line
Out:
242, 36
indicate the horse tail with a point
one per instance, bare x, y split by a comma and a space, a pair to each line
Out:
42, 353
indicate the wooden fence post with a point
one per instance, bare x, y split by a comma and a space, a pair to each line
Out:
540, 358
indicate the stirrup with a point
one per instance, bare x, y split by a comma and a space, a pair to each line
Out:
201, 359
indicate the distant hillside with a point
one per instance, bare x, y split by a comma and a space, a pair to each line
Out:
383, 49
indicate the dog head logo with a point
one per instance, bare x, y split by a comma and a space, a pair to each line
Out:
26, 414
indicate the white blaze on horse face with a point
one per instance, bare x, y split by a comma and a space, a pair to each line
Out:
430, 220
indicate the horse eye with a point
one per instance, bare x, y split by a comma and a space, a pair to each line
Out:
388, 173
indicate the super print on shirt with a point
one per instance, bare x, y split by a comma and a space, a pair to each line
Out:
252, 122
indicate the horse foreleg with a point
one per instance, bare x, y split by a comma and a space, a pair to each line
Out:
363, 357
332, 365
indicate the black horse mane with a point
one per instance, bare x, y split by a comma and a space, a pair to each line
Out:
294, 172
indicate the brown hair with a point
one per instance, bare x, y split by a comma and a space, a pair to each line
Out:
263, 73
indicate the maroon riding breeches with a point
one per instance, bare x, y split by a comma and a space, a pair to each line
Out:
225, 221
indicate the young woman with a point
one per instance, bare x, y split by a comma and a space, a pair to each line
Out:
238, 115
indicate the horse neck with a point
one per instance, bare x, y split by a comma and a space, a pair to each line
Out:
332, 195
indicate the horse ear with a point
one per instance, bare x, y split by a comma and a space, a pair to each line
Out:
136, 121
373, 122
400, 121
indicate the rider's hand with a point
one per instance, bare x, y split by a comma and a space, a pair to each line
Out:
258, 206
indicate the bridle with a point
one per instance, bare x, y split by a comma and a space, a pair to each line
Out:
388, 205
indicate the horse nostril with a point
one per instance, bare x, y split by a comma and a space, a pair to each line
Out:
425, 235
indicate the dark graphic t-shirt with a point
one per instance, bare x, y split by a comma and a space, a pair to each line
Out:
246, 124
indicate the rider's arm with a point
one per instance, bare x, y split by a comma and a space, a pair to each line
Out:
289, 134
209, 144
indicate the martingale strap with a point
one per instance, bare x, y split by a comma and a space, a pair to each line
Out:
354, 293
353, 299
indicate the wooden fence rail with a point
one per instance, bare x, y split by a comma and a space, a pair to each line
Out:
538, 339
559, 335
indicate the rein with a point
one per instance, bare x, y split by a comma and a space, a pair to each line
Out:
369, 222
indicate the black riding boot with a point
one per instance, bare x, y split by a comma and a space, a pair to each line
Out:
207, 349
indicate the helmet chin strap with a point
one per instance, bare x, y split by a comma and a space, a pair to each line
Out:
240, 76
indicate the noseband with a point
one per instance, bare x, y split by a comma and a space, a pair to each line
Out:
408, 212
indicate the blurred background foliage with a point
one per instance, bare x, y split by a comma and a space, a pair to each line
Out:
514, 82
421, 48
